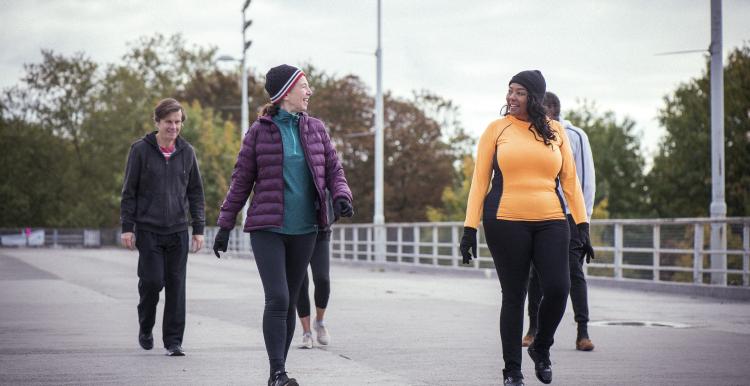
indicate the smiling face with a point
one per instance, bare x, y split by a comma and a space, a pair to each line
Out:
517, 100
296, 100
169, 127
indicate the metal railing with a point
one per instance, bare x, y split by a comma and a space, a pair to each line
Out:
54, 237
659, 250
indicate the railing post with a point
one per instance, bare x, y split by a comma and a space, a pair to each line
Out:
746, 254
339, 248
417, 245
400, 244
370, 246
475, 261
657, 253
618, 252
698, 253
434, 245
454, 246
355, 246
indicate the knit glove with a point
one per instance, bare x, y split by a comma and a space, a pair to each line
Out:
583, 234
343, 208
468, 243
221, 242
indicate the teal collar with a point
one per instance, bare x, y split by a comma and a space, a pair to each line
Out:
284, 116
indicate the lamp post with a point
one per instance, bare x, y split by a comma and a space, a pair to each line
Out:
718, 207
244, 108
245, 45
379, 218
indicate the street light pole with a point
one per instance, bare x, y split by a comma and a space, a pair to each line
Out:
379, 218
718, 207
245, 124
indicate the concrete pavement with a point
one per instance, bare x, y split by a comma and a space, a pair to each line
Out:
68, 316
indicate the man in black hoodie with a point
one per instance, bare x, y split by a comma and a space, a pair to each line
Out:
162, 183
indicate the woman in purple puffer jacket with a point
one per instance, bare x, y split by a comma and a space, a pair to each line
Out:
288, 161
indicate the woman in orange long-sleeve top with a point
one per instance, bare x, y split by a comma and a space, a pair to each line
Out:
521, 159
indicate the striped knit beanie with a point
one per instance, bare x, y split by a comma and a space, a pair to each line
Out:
280, 80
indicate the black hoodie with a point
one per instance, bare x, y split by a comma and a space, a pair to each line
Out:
156, 191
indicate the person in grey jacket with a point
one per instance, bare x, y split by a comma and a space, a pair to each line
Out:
579, 144
162, 184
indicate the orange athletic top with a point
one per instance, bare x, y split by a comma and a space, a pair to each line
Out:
526, 174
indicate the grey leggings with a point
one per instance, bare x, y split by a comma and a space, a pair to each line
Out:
282, 261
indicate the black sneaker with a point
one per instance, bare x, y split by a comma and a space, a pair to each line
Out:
175, 351
280, 378
542, 364
512, 378
146, 340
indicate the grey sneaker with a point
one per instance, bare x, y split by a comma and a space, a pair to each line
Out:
307, 340
321, 331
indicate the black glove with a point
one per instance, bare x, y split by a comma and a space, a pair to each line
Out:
468, 242
583, 234
221, 242
343, 208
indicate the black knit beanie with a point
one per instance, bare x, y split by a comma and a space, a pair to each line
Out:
533, 81
281, 79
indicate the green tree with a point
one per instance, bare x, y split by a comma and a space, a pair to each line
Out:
69, 124
217, 143
618, 160
418, 161
454, 198
680, 180
33, 171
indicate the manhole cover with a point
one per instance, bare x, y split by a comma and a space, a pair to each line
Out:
638, 323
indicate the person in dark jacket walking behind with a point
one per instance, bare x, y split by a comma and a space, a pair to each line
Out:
161, 183
581, 148
288, 161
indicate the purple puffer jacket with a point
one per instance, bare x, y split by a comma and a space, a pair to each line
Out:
259, 169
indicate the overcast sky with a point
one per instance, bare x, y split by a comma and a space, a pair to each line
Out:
466, 51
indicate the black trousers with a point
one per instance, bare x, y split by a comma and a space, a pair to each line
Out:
282, 261
578, 290
162, 263
320, 265
516, 246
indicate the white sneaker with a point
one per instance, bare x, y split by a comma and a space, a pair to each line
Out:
307, 340
322, 332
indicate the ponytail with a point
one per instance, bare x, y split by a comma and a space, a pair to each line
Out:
269, 109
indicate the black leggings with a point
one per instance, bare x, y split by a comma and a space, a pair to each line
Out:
578, 291
282, 261
320, 264
515, 246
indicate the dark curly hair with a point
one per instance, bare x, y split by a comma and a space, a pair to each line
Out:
539, 122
